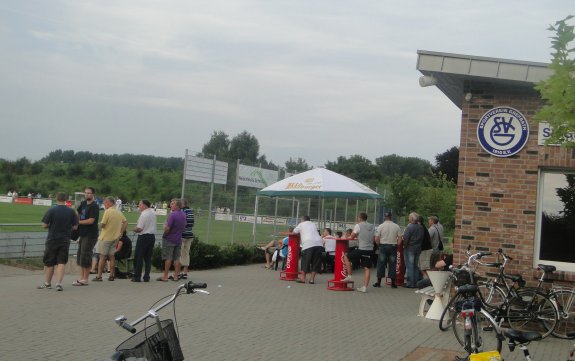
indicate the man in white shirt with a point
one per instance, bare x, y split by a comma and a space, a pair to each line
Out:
387, 235
311, 249
146, 229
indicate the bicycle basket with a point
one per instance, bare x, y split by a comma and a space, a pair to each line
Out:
463, 278
148, 343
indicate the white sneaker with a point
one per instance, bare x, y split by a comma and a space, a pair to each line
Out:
346, 279
362, 289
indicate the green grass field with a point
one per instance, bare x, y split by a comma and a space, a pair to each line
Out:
220, 231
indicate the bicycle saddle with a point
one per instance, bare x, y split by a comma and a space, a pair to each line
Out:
517, 336
547, 268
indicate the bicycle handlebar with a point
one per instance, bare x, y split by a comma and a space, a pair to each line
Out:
188, 288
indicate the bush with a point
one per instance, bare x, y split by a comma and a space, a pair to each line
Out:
237, 254
206, 256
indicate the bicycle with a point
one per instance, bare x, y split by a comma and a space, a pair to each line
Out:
564, 297
497, 290
157, 342
463, 275
473, 326
523, 308
515, 339
532, 309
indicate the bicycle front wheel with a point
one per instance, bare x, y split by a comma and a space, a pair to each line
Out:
485, 333
448, 312
565, 299
532, 312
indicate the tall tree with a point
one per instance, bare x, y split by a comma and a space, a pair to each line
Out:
405, 193
447, 163
395, 165
559, 89
246, 148
356, 167
296, 165
218, 145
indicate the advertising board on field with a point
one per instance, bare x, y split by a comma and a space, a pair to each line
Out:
256, 177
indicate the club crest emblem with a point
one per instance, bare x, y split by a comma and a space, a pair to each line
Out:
502, 131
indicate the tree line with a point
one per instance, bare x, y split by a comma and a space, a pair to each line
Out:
407, 183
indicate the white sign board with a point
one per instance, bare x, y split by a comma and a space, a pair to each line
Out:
42, 202
545, 132
256, 177
200, 169
5, 199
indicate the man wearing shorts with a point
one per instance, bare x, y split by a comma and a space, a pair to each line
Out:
172, 240
88, 214
187, 239
363, 231
311, 249
113, 226
59, 220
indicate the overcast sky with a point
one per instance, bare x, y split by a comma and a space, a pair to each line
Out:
309, 79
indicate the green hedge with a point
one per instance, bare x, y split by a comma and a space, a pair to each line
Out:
206, 256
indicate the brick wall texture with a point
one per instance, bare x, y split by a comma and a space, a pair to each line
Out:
497, 197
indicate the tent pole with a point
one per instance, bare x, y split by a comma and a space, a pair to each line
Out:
255, 219
345, 216
276, 216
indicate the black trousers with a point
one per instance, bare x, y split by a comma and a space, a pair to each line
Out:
144, 249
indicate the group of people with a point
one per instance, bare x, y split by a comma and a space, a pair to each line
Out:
421, 246
103, 239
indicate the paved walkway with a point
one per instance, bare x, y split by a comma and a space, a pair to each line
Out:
250, 315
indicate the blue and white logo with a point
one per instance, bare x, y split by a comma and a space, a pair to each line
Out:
503, 131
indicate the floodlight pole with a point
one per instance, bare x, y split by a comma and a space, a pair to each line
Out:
211, 197
235, 201
184, 175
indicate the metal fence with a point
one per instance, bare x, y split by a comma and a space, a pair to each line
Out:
32, 244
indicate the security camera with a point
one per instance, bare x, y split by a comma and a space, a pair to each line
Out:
427, 80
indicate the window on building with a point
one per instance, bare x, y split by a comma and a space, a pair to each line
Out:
556, 219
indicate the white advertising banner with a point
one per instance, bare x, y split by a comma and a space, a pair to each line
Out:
42, 202
200, 169
256, 177
223, 217
5, 199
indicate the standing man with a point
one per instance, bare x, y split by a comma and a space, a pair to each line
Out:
412, 240
187, 239
387, 236
435, 233
363, 232
113, 226
59, 220
311, 249
172, 240
88, 213
146, 229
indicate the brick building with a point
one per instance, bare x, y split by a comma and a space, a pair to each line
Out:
513, 191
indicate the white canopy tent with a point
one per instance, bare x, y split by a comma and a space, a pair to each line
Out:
317, 183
